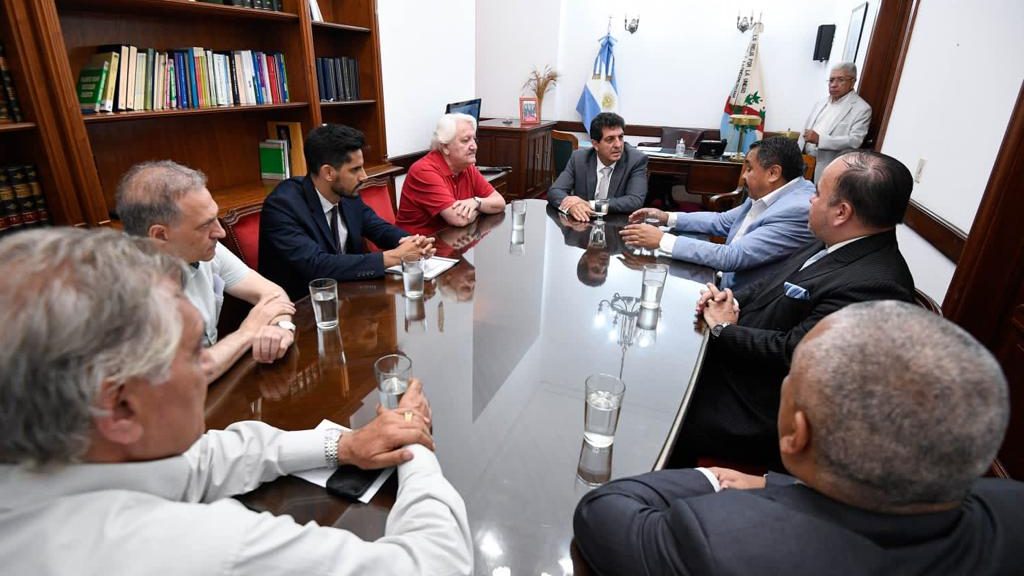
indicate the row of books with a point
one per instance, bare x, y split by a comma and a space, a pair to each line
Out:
122, 77
337, 79
274, 5
22, 204
10, 110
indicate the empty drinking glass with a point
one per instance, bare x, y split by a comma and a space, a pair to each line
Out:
412, 275
323, 293
393, 373
601, 413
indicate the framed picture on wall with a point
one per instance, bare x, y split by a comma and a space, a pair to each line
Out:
529, 112
853, 35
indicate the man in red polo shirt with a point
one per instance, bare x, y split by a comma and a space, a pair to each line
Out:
444, 188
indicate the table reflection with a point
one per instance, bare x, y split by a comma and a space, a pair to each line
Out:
503, 343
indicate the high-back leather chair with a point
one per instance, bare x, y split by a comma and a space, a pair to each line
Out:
242, 226
563, 144
378, 194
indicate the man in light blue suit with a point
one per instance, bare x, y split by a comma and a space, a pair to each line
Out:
760, 233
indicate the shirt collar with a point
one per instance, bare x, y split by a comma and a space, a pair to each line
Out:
437, 159
774, 195
839, 245
324, 202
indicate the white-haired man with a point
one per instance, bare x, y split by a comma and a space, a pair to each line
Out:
104, 466
837, 123
888, 418
170, 204
444, 188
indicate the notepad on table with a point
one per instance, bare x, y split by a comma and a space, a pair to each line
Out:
432, 267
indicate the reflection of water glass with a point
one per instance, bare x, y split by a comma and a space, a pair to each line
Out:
654, 285
323, 292
597, 236
601, 207
518, 214
648, 318
393, 372
412, 275
595, 464
601, 414
415, 312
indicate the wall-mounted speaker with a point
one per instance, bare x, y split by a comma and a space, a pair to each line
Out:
823, 45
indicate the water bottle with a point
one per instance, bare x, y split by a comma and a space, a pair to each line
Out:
681, 148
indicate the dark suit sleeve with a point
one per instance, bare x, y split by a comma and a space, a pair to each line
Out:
641, 525
636, 188
776, 346
286, 231
379, 231
564, 184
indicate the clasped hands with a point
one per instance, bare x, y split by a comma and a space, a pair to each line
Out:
382, 442
269, 341
409, 245
718, 306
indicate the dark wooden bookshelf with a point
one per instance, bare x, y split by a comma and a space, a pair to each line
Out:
81, 157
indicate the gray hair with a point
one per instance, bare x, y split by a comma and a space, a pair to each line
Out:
78, 307
848, 67
149, 192
905, 407
447, 126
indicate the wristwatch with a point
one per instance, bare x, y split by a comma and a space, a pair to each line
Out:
287, 325
716, 330
331, 437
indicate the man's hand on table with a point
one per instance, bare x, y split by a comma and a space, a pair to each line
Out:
577, 208
382, 442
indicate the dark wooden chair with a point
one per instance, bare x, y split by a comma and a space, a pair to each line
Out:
242, 226
809, 163
563, 144
925, 301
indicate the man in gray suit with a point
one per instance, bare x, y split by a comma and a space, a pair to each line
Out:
760, 233
888, 418
838, 122
611, 170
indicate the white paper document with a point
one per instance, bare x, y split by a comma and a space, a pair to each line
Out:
319, 476
432, 267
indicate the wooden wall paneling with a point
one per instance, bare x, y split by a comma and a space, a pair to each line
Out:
883, 63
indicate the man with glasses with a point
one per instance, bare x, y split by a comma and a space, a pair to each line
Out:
837, 123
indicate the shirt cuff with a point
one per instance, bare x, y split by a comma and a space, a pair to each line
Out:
672, 219
301, 450
668, 242
423, 462
711, 478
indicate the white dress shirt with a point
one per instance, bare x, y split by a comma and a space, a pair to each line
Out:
175, 516
342, 230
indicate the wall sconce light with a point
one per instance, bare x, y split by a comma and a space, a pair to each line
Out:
744, 24
631, 23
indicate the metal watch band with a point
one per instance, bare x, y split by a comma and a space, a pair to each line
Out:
331, 437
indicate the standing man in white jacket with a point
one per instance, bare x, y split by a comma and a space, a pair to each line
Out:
104, 466
837, 123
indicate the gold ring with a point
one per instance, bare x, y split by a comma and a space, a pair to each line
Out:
408, 416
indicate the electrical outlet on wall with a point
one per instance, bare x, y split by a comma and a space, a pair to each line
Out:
919, 170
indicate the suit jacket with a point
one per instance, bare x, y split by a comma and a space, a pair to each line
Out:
740, 383
672, 522
628, 187
771, 237
296, 244
848, 131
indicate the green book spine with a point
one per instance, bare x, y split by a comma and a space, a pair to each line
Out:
91, 87
273, 160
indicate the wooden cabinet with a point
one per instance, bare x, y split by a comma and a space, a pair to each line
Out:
526, 150
82, 157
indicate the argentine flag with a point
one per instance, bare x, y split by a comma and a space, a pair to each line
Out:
747, 96
600, 93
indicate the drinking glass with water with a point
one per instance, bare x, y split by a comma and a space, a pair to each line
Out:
601, 413
393, 373
323, 293
654, 285
518, 214
601, 207
412, 275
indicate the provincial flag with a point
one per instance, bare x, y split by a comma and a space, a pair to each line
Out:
601, 92
747, 96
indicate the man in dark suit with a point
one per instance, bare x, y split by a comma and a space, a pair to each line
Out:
861, 198
889, 416
611, 170
314, 226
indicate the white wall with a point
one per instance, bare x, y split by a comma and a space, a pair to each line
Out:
676, 70
931, 269
960, 81
427, 60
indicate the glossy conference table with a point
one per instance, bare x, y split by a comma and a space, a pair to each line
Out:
503, 343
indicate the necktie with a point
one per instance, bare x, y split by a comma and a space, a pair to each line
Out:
817, 256
332, 219
602, 185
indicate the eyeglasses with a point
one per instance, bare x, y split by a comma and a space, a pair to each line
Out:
840, 79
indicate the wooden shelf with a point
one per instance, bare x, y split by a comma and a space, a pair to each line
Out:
242, 195
324, 104
148, 114
171, 7
333, 26
18, 127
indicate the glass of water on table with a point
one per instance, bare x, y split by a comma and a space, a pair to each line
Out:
393, 373
601, 413
323, 292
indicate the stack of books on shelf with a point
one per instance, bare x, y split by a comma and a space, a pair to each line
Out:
22, 204
10, 110
274, 5
337, 79
120, 78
